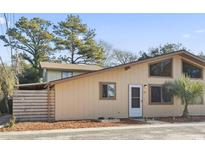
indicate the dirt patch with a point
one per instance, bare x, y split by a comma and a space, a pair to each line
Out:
182, 119
25, 126
129, 122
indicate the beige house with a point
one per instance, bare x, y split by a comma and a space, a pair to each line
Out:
54, 71
129, 90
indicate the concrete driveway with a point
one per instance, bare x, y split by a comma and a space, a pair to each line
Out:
152, 132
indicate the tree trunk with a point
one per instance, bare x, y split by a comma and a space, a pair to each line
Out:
185, 112
72, 55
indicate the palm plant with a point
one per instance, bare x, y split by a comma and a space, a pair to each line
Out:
188, 91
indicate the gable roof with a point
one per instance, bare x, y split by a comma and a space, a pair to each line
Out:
60, 66
182, 53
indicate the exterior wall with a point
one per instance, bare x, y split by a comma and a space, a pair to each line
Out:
79, 98
56, 74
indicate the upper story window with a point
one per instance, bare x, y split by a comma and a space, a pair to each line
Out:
108, 90
191, 70
162, 68
66, 74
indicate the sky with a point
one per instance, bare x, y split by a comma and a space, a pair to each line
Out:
134, 32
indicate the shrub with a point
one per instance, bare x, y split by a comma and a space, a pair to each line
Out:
189, 91
11, 122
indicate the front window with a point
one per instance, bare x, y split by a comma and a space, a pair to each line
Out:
66, 74
163, 68
159, 95
191, 70
107, 90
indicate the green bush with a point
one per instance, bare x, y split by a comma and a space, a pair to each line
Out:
7, 82
29, 75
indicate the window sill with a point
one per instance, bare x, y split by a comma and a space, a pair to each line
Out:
108, 99
167, 77
161, 103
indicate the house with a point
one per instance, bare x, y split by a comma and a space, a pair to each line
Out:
129, 90
54, 71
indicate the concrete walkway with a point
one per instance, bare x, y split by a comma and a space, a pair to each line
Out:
137, 132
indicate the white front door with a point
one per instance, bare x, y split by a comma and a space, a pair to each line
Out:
135, 100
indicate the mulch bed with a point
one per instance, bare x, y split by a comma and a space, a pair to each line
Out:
182, 119
130, 122
25, 126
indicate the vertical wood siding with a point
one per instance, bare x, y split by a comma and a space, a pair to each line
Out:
79, 98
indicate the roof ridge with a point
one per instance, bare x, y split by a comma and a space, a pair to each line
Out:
69, 63
128, 64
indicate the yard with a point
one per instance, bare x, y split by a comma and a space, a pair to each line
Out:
182, 119
175, 131
25, 126
74, 124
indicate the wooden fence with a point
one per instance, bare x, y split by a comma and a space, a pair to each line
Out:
34, 105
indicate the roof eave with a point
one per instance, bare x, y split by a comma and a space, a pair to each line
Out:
180, 52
